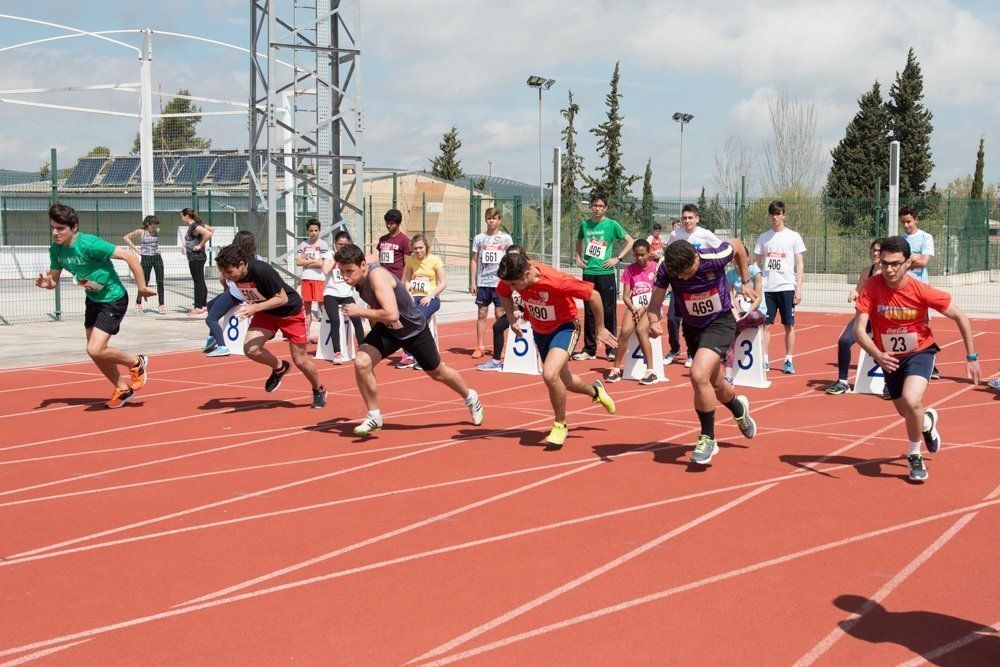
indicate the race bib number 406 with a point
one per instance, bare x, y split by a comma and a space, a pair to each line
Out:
704, 303
596, 248
902, 342
776, 263
540, 311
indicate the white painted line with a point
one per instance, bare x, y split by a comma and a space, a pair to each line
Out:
41, 654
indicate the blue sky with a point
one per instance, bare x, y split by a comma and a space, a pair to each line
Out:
436, 63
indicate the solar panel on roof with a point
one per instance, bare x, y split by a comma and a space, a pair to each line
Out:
121, 171
162, 166
229, 170
201, 164
85, 171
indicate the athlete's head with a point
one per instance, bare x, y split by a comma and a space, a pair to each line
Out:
64, 223
910, 219
894, 260
351, 262
247, 245
640, 250
516, 271
598, 205
418, 246
393, 219
689, 217
189, 215
776, 213
875, 248
312, 229
657, 228
150, 224
232, 263
515, 249
680, 260
341, 239
492, 216
675, 223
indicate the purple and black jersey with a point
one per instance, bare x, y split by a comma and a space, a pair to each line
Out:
705, 296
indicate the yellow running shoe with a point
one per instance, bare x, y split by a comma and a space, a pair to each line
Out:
557, 436
120, 397
601, 396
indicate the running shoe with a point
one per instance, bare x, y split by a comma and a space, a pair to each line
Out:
789, 368
601, 396
767, 365
368, 425
491, 365
885, 393
221, 351
138, 374
837, 388
688, 362
274, 380
476, 409
120, 397
557, 436
195, 312
583, 356
669, 359
406, 362
994, 383
338, 358
162, 310
918, 471
650, 378
704, 450
614, 375
417, 367
210, 344
935, 374
746, 424
931, 436
478, 353
319, 398
611, 356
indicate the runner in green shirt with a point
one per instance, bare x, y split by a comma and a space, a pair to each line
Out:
595, 243
88, 258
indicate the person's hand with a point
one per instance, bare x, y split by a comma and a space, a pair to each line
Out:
45, 281
426, 301
610, 262
797, 298
351, 310
518, 328
748, 292
606, 337
472, 291
853, 296
656, 329
580, 263
246, 310
972, 371
886, 362
197, 248
146, 292
638, 314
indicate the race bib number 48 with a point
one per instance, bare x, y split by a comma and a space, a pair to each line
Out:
899, 343
541, 312
704, 303
596, 248
640, 300
386, 256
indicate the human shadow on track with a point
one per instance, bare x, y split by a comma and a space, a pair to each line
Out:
238, 405
345, 427
93, 404
819, 385
670, 453
527, 437
865, 467
923, 633
464, 351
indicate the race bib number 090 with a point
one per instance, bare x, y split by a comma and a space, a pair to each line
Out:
541, 312
899, 343
704, 303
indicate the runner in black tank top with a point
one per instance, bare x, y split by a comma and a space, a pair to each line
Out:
396, 323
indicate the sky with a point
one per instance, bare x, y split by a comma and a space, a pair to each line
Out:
429, 65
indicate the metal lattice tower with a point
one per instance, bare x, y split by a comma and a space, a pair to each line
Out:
305, 118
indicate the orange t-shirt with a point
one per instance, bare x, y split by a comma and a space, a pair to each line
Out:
899, 317
550, 302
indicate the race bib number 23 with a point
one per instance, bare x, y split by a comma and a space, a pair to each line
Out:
899, 343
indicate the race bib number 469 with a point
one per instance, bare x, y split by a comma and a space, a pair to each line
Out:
541, 312
704, 303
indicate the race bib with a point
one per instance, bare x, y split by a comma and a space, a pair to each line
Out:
490, 255
776, 263
89, 285
386, 256
640, 300
742, 304
419, 285
596, 248
899, 343
251, 295
540, 311
335, 276
516, 298
704, 303
311, 254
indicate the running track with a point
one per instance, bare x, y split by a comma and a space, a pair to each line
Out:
210, 522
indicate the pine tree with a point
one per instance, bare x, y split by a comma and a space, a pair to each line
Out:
911, 126
977, 178
863, 154
647, 195
446, 166
701, 199
572, 163
177, 133
612, 179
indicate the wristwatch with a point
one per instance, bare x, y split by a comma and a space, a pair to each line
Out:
972, 357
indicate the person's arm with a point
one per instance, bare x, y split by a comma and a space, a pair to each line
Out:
758, 288
49, 279
135, 266
407, 276
388, 311
653, 311
328, 265
300, 258
442, 281
205, 232
919, 261
579, 253
473, 269
862, 279
800, 268
627, 297
742, 262
250, 309
511, 314
887, 362
958, 316
128, 238
600, 333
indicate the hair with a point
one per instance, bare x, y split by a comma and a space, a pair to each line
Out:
394, 215
640, 243
776, 207
597, 195
342, 234
876, 242
149, 220
491, 212
657, 226
515, 248
675, 222
191, 213
420, 238
689, 208
512, 266
64, 215
230, 256
350, 254
909, 210
896, 244
313, 221
678, 258
247, 245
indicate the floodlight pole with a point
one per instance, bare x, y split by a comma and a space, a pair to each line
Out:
893, 213
556, 206
683, 119
146, 125
541, 180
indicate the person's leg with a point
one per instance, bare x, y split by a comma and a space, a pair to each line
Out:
674, 326
608, 286
253, 348
307, 308
97, 346
147, 268
844, 345
499, 329
589, 326
160, 287
773, 305
910, 407
628, 327
197, 269
789, 340
430, 309
450, 378
302, 361
217, 308
364, 372
481, 316
333, 315
642, 333
706, 366
552, 375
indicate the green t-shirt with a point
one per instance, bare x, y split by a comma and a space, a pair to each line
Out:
89, 260
598, 243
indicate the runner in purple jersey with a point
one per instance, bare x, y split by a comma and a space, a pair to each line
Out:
697, 278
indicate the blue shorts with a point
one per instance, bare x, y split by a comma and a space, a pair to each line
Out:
487, 295
563, 338
919, 363
783, 302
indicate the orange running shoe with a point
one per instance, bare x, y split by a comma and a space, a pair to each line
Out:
478, 353
138, 374
120, 398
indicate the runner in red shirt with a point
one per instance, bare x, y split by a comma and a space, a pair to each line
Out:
548, 297
903, 345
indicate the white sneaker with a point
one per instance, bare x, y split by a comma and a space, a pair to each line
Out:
687, 364
338, 358
476, 410
368, 425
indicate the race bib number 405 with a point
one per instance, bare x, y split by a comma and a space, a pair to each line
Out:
89, 285
596, 248
704, 303
899, 342
540, 311
386, 256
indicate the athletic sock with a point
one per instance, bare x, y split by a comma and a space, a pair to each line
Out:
735, 407
788, 357
375, 414
707, 420
471, 399
914, 447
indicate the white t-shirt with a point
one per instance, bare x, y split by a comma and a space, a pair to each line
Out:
317, 250
335, 283
921, 243
489, 251
699, 238
779, 250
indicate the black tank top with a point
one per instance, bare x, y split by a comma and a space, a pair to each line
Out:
411, 320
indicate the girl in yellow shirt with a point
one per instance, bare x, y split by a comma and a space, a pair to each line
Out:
425, 279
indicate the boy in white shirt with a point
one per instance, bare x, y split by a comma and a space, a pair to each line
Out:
779, 252
310, 257
487, 251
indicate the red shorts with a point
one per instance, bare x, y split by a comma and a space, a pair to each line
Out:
293, 327
312, 290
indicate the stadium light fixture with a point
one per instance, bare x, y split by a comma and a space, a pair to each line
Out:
683, 119
540, 83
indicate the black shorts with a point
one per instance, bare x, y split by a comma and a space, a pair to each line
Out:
919, 363
105, 316
422, 347
716, 336
780, 302
487, 295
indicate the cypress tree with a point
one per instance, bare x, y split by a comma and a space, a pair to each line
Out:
446, 165
572, 163
612, 177
647, 196
977, 178
911, 126
863, 154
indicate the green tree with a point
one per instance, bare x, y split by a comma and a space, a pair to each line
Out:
572, 162
98, 151
446, 165
648, 205
177, 133
911, 126
862, 155
701, 200
612, 179
976, 191
43, 171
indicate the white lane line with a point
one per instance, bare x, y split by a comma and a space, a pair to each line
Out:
584, 578
41, 654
